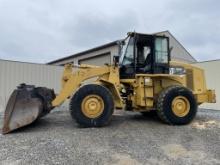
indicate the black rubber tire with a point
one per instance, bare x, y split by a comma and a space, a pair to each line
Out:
164, 105
150, 113
76, 101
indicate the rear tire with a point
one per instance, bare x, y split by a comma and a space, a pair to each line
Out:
92, 106
176, 105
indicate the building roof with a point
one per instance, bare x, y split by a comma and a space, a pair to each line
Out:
31, 63
112, 44
85, 52
215, 60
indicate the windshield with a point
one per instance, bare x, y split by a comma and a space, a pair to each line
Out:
123, 49
129, 53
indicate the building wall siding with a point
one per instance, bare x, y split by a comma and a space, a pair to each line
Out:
97, 60
14, 73
213, 81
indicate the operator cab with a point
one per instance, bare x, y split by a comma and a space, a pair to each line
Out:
144, 54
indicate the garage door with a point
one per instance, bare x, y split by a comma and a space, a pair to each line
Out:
97, 60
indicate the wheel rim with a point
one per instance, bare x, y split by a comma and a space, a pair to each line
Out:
180, 106
92, 106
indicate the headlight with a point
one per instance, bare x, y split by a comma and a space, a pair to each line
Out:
177, 70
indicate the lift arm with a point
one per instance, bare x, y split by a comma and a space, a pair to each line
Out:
72, 80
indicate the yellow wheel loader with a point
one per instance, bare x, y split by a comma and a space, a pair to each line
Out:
143, 79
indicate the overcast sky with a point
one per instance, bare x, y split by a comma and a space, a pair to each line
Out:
44, 30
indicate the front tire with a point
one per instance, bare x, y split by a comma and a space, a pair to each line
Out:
176, 105
151, 113
92, 106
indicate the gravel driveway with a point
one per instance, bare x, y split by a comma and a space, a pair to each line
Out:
129, 139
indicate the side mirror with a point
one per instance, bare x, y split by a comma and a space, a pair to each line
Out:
116, 60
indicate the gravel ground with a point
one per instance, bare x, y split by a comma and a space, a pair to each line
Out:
129, 139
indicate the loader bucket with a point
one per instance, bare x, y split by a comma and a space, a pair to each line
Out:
25, 105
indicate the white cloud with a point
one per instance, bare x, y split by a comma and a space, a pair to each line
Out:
44, 30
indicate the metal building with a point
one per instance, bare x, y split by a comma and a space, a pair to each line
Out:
104, 54
14, 73
95, 56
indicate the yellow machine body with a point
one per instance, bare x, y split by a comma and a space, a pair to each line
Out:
146, 86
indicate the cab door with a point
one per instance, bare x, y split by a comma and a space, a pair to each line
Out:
161, 55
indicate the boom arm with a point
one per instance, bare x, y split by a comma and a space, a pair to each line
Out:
72, 80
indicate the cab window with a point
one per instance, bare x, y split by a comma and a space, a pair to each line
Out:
161, 50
